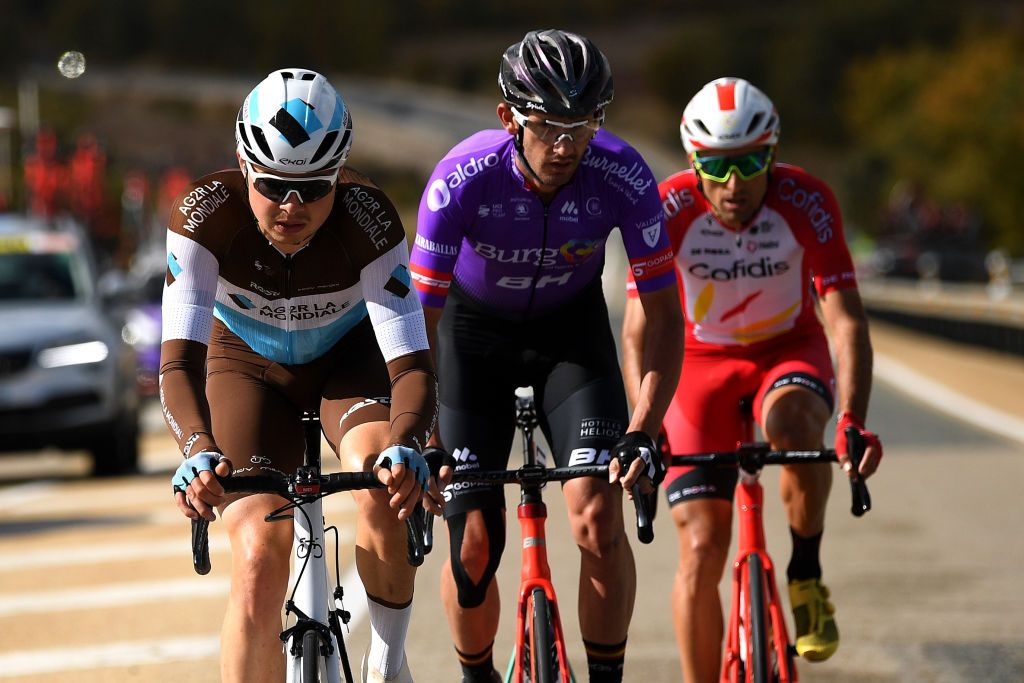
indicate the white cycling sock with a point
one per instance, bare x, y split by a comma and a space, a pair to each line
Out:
388, 628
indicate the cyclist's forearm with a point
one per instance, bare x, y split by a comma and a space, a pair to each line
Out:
661, 359
848, 328
633, 325
183, 395
854, 361
413, 399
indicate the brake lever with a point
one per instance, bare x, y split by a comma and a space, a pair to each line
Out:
855, 446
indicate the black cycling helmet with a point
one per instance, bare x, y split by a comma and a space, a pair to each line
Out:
556, 72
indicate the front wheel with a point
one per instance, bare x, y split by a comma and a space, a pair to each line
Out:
543, 664
310, 657
758, 640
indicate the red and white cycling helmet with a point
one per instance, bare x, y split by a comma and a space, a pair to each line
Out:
294, 121
728, 113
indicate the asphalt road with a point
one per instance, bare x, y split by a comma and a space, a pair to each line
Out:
96, 581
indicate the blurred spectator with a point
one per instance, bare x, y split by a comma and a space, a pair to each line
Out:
44, 176
87, 171
919, 233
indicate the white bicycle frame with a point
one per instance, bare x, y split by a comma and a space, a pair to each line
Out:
309, 567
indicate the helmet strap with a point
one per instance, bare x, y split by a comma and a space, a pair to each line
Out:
518, 142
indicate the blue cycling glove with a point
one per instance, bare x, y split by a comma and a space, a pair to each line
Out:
190, 468
403, 455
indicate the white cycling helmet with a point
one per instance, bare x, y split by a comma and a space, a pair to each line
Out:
294, 121
728, 113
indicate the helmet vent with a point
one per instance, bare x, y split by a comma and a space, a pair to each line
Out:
324, 146
755, 122
261, 140
242, 135
703, 128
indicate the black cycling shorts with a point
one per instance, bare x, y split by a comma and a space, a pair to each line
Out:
569, 358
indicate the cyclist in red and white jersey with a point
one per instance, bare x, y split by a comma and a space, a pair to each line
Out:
288, 290
758, 245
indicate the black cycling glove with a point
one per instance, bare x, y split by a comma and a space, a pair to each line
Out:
638, 445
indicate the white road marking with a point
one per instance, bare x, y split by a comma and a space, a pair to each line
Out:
942, 398
111, 552
64, 556
147, 652
24, 494
128, 653
113, 595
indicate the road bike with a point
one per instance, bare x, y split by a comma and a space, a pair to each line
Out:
539, 655
314, 643
758, 649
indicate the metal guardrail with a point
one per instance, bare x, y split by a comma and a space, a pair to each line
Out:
990, 316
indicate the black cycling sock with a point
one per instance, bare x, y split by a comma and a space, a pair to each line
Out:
604, 662
479, 667
805, 562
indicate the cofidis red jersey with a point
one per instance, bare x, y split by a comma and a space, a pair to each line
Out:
740, 287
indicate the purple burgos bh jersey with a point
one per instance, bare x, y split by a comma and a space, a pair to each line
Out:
517, 257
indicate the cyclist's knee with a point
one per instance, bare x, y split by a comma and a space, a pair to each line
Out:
703, 528
477, 541
260, 563
598, 531
595, 517
796, 420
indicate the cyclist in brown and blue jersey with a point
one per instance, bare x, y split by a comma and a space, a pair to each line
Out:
288, 290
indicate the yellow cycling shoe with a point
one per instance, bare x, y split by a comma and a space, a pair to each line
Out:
817, 637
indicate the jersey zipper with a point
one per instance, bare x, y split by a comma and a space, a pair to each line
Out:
288, 276
540, 261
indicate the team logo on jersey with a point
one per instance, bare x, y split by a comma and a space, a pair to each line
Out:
464, 459
811, 204
569, 208
438, 195
173, 269
201, 202
578, 250
675, 201
600, 427
740, 268
521, 208
399, 282
593, 206
589, 456
242, 302
652, 234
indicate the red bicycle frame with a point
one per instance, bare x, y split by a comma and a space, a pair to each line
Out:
749, 504
539, 655
535, 575
757, 646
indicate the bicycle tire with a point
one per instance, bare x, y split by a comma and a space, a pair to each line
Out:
543, 667
310, 657
758, 644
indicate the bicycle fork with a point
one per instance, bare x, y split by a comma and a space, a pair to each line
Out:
751, 541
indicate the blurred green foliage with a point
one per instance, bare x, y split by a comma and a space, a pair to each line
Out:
950, 120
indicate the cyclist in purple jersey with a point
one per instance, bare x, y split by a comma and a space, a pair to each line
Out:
507, 262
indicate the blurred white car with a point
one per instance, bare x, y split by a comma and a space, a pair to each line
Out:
67, 377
